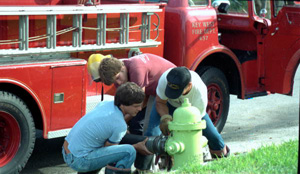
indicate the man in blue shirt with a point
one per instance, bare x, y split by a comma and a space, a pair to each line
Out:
94, 140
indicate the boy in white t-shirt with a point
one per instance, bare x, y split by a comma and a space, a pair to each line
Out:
173, 86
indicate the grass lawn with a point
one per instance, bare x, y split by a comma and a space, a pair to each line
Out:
273, 159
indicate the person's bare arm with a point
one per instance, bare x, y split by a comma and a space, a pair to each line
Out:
108, 144
145, 101
127, 118
161, 106
163, 111
141, 147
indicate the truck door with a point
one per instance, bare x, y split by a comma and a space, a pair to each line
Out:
282, 46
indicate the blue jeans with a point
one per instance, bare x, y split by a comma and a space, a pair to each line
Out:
215, 141
122, 155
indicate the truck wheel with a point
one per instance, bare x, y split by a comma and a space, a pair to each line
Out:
218, 95
17, 133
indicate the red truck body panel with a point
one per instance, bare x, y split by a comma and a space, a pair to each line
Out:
199, 33
43, 80
282, 52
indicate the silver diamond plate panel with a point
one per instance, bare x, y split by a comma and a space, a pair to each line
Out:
58, 133
92, 101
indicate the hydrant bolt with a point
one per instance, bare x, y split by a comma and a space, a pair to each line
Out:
175, 147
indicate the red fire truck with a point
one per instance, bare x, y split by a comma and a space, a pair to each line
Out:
245, 48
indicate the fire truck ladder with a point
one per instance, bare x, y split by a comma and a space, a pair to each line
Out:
77, 44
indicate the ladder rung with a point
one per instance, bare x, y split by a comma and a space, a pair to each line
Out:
77, 34
124, 24
51, 31
23, 32
146, 26
101, 33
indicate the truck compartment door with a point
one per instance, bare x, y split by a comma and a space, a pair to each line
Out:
68, 99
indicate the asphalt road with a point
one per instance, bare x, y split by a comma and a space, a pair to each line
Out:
251, 123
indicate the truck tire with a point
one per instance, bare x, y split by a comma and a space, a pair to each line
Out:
17, 133
218, 95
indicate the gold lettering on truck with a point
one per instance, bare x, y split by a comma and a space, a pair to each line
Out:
203, 29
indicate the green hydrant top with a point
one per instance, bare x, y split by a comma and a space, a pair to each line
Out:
186, 117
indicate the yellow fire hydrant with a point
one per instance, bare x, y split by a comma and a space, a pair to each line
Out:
186, 141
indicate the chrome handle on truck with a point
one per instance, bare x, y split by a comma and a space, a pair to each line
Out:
276, 29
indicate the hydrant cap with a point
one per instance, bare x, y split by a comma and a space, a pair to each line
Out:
186, 103
186, 113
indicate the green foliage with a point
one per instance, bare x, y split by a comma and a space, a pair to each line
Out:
238, 6
275, 159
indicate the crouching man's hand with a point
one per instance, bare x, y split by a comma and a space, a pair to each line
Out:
164, 124
141, 148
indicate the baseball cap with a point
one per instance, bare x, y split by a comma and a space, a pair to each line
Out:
177, 79
93, 65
